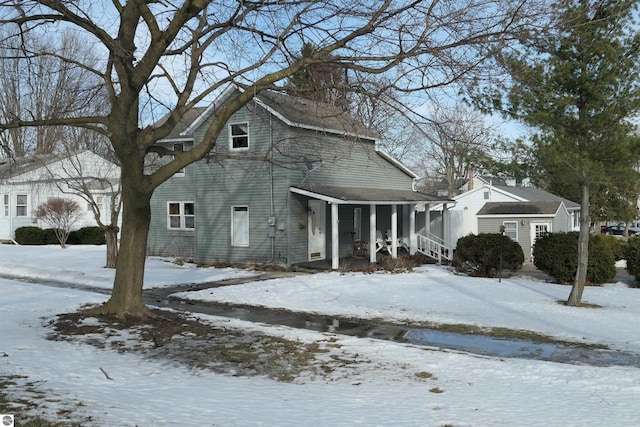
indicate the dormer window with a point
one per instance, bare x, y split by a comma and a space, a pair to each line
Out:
239, 136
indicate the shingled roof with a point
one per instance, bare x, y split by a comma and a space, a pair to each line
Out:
537, 195
294, 111
10, 167
520, 208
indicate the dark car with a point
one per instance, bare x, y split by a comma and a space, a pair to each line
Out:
618, 230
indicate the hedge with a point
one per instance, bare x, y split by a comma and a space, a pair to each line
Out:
557, 255
38, 236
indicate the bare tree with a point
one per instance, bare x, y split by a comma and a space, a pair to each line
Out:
98, 185
193, 48
60, 214
455, 139
43, 87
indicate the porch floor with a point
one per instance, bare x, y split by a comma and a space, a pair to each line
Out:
346, 263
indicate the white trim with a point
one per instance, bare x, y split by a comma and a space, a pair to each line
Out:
310, 127
396, 163
230, 126
181, 214
504, 223
225, 93
233, 210
333, 200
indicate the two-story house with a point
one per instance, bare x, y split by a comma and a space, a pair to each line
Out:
289, 181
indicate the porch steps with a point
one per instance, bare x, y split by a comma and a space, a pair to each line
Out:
434, 247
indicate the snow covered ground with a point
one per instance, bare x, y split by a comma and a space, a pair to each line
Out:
391, 383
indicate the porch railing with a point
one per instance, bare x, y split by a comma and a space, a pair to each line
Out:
434, 247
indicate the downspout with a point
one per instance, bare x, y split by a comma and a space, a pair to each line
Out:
271, 184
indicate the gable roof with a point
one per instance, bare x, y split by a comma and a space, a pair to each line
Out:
520, 208
178, 133
292, 110
533, 194
15, 166
10, 167
522, 194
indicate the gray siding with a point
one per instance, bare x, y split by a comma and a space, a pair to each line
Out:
163, 241
347, 163
260, 179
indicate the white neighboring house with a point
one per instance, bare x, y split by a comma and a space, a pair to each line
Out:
462, 218
27, 182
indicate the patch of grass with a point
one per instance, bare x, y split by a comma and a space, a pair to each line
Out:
199, 345
437, 390
423, 375
21, 407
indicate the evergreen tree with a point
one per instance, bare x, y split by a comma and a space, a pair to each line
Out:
323, 81
578, 86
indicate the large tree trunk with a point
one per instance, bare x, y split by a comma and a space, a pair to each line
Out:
111, 239
126, 297
575, 297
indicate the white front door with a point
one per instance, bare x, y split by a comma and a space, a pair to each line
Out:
317, 214
538, 229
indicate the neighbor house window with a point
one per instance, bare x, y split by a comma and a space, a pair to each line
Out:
240, 226
98, 201
181, 215
511, 230
239, 136
21, 205
6, 205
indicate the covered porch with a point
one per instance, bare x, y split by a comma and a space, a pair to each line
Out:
370, 220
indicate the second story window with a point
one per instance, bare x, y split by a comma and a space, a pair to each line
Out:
239, 136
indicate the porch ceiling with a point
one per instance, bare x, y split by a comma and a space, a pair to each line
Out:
365, 196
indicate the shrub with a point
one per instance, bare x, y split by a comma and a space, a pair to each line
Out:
557, 255
481, 254
615, 244
30, 236
50, 236
90, 236
632, 255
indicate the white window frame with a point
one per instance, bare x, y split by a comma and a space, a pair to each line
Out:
6, 205
238, 221
512, 236
181, 215
233, 137
179, 146
24, 205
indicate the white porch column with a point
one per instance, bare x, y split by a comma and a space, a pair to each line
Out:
427, 219
413, 241
335, 243
442, 223
372, 233
394, 231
